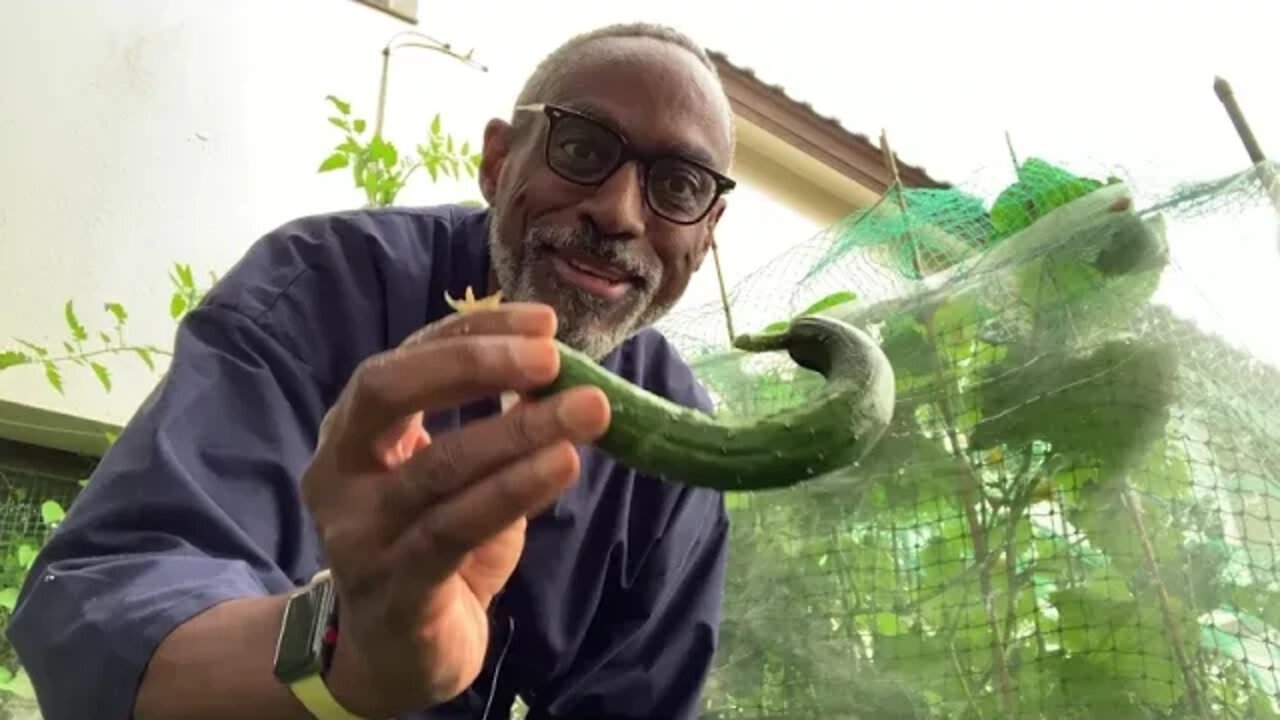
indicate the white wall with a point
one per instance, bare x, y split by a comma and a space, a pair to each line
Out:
136, 133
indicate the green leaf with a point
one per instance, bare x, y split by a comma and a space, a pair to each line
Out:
335, 161
889, 624
54, 376
26, 555
1041, 188
39, 350
6, 675
117, 311
916, 470
1056, 289
1132, 634
358, 125
177, 306
73, 323
339, 122
104, 376
343, 106
905, 342
145, 355
1117, 404
382, 151
52, 513
12, 358
836, 298
20, 686
185, 278
104, 337
958, 319
8, 601
435, 124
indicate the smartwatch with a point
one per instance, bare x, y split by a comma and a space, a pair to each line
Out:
304, 648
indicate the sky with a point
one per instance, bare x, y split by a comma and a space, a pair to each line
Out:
1120, 87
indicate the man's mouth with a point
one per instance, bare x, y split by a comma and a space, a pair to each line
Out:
606, 281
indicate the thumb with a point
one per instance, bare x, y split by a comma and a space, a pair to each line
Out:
400, 442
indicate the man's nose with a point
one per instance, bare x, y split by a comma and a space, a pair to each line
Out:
617, 206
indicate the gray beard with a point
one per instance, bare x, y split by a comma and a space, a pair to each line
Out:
587, 323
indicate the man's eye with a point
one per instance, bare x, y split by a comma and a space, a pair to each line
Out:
682, 185
580, 151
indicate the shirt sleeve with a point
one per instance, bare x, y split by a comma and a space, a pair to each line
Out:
195, 503
657, 636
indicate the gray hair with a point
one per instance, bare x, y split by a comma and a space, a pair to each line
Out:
562, 59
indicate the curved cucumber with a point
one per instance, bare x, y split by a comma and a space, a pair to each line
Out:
654, 435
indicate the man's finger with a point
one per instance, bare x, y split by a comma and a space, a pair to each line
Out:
437, 542
526, 319
457, 459
388, 388
530, 319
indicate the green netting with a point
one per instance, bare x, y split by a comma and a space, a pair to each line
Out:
29, 499
1076, 511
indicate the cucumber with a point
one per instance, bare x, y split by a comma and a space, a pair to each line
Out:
654, 435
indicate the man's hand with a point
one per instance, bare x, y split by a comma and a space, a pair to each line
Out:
422, 532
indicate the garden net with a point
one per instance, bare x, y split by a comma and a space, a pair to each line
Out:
1076, 510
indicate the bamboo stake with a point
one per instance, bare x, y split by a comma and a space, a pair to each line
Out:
1266, 173
724, 294
1228, 97
1133, 506
1013, 156
891, 163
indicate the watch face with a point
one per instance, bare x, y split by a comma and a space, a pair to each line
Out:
299, 649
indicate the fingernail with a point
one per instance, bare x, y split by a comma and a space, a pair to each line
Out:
539, 321
577, 411
538, 359
555, 463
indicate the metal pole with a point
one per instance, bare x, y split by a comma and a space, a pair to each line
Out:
422, 41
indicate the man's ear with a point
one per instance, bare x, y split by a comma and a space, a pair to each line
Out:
497, 147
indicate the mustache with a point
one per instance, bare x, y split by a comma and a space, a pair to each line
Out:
586, 240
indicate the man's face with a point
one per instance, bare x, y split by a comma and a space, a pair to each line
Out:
606, 260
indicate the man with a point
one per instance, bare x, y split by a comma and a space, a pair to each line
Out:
325, 409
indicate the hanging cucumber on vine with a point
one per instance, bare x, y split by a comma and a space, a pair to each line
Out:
835, 429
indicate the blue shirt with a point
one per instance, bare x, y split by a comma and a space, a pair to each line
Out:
613, 611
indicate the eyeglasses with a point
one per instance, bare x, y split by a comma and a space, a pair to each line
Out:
586, 152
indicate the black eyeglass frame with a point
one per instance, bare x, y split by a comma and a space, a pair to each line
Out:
628, 152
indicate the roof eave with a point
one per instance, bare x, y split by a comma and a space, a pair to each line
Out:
823, 138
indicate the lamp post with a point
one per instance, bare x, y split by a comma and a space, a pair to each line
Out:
413, 39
